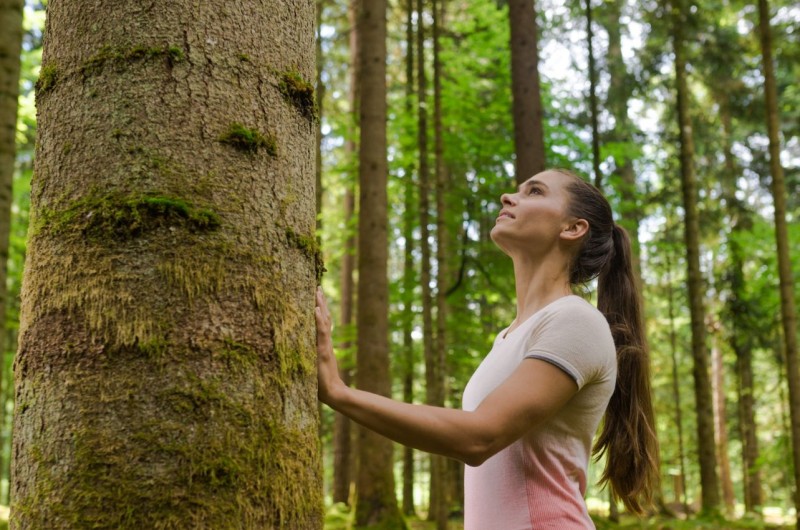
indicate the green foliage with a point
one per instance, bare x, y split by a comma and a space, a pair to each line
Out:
248, 140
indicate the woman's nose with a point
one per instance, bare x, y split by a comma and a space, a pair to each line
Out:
507, 198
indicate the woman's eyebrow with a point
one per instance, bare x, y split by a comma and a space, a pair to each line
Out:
531, 182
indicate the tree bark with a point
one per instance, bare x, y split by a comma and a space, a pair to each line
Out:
703, 402
10, 50
528, 114
598, 176
376, 504
788, 310
721, 429
166, 364
408, 268
439, 475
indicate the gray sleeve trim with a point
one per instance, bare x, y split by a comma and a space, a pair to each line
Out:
558, 363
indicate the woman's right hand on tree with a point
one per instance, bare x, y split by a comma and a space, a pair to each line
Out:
328, 378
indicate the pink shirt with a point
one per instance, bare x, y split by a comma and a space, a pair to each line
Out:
538, 482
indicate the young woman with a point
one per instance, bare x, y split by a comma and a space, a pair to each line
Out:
531, 409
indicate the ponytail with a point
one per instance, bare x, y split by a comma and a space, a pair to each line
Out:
628, 437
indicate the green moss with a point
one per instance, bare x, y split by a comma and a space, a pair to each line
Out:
244, 58
310, 247
119, 57
299, 93
48, 78
248, 140
122, 217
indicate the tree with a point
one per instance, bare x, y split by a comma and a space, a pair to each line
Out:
788, 312
528, 130
703, 400
376, 504
10, 50
342, 432
166, 358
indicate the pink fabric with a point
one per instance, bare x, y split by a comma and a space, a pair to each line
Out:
539, 481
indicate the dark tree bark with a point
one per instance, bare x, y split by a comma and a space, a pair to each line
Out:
720, 414
788, 310
409, 213
376, 505
703, 401
528, 114
166, 363
598, 176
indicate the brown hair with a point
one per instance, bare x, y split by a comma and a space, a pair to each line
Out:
628, 437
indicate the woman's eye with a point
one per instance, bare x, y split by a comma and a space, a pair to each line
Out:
535, 191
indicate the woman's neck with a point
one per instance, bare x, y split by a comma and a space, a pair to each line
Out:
538, 284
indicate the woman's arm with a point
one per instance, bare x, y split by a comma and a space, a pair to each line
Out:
532, 393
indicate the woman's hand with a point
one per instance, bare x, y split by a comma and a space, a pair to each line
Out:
328, 379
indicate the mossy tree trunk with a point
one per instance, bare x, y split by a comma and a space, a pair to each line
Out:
10, 49
165, 374
528, 112
702, 386
376, 506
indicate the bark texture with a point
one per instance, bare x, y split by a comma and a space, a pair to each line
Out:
788, 310
528, 129
702, 386
377, 504
165, 374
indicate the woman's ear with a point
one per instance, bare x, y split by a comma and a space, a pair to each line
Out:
575, 230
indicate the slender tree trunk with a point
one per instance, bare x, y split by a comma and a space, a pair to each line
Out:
788, 310
10, 50
377, 503
619, 94
166, 365
738, 307
598, 176
408, 269
528, 115
720, 414
342, 426
676, 388
439, 509
703, 401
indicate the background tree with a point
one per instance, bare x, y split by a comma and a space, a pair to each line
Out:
162, 338
376, 504
528, 129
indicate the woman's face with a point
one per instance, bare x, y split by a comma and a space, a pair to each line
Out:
533, 218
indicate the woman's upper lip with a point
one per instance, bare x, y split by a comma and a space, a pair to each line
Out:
505, 212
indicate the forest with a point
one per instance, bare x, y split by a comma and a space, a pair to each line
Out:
176, 178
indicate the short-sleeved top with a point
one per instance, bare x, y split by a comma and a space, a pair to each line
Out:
539, 481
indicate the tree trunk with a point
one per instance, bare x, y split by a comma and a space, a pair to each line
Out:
408, 269
166, 365
788, 312
619, 94
377, 504
680, 493
739, 311
342, 426
439, 474
10, 50
528, 129
703, 402
598, 176
721, 429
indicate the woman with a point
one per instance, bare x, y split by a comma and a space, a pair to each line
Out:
532, 407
